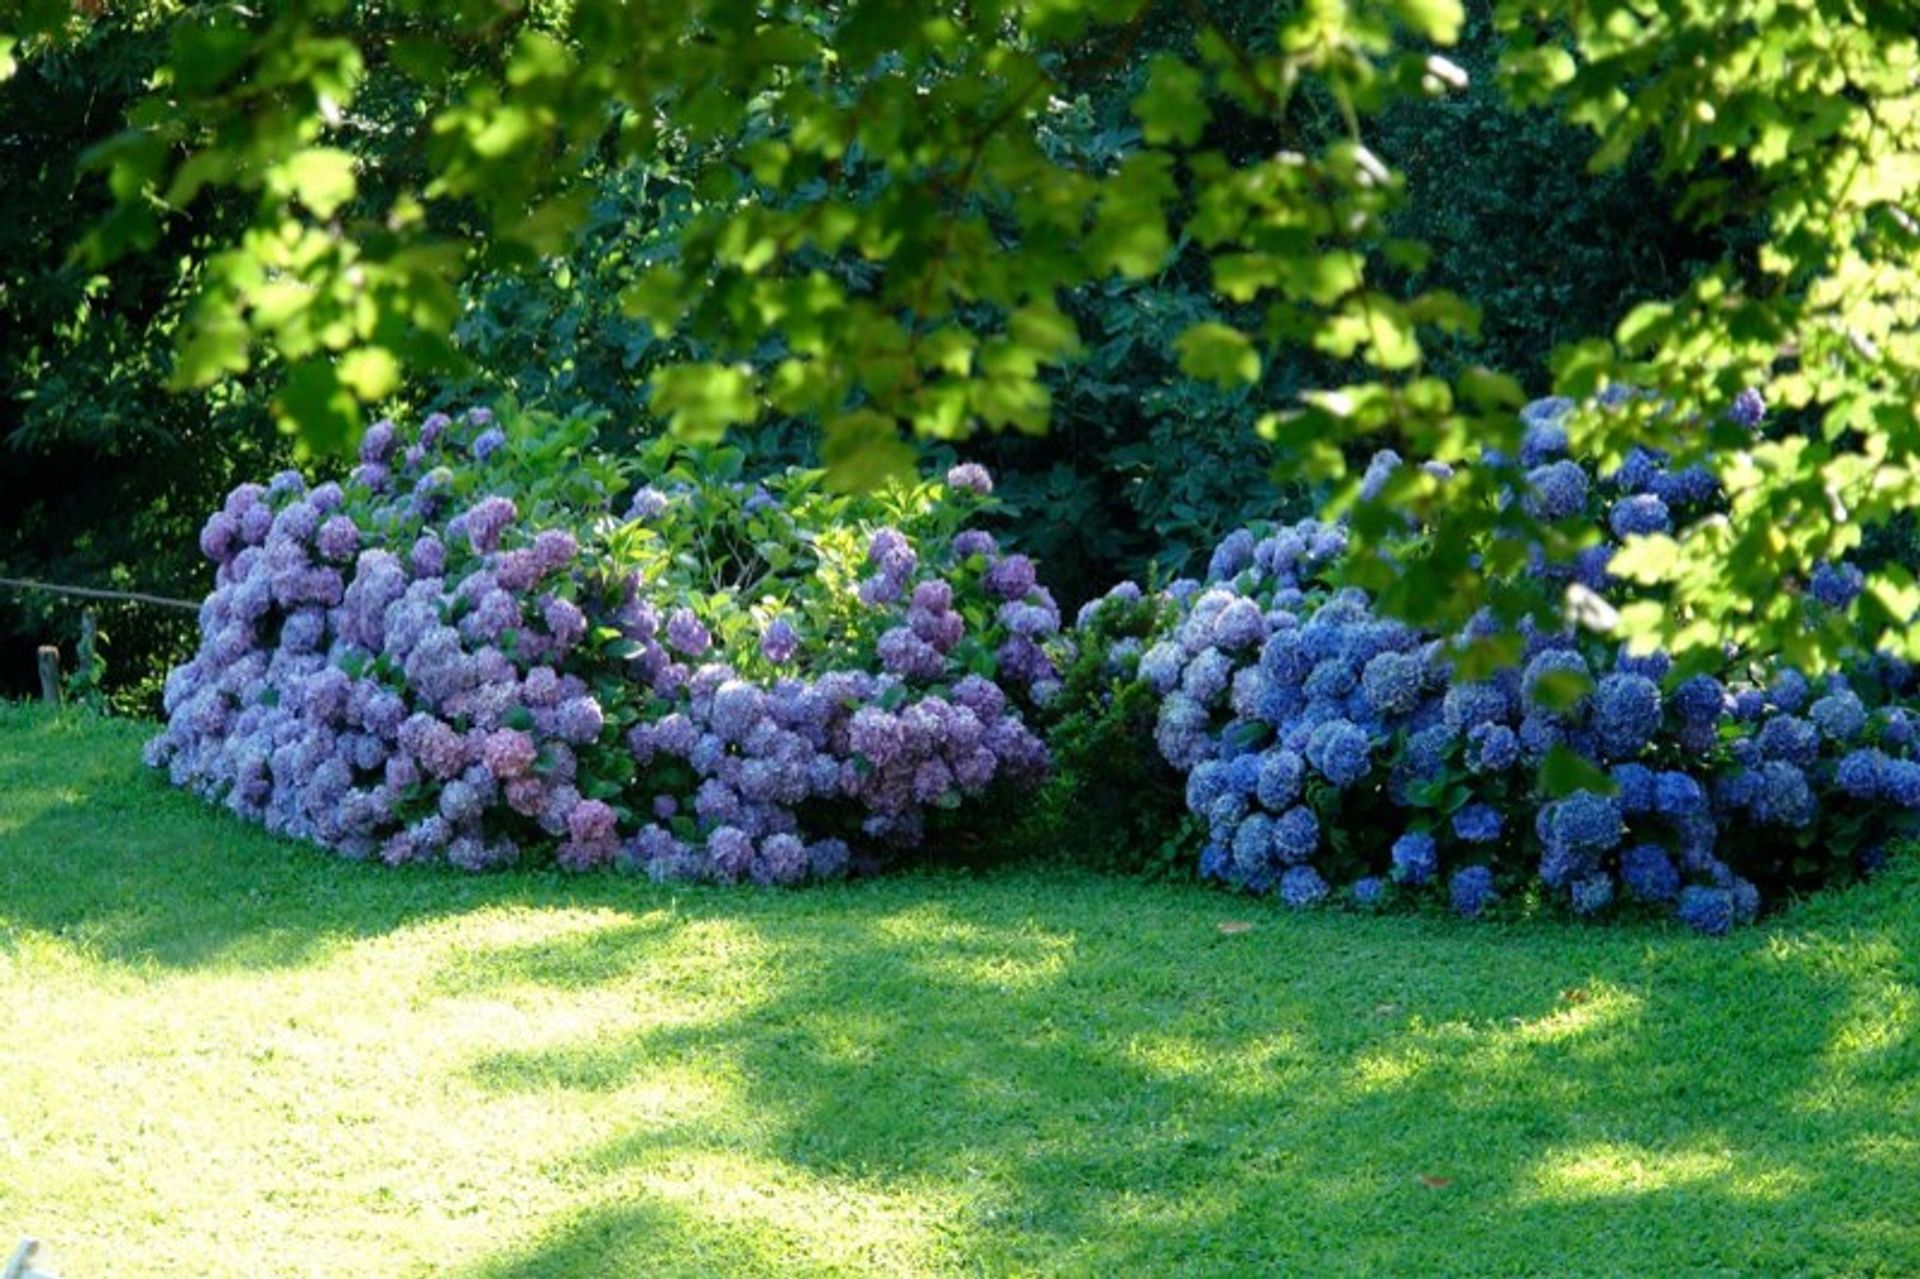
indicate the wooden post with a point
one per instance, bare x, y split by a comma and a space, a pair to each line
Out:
49, 674
16, 1267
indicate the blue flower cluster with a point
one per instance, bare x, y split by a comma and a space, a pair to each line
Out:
410, 666
1324, 744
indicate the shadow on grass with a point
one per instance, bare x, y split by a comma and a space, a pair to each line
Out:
1062, 1074
98, 851
1323, 1096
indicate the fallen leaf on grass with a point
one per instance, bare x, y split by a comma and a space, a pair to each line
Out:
1233, 926
1437, 1183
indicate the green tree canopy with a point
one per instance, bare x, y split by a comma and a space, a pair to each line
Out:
870, 230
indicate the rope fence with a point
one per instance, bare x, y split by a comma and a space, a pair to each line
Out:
48, 658
96, 593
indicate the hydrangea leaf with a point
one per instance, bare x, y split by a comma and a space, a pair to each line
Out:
1564, 772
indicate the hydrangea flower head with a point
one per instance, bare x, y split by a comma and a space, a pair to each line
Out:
1583, 822
686, 634
1706, 910
1839, 716
1232, 556
971, 542
1836, 585
1296, 834
1861, 774
1380, 469
1789, 738
779, 641
1394, 683
1639, 515
1592, 894
1557, 682
1556, 491
1416, 858
970, 477
1302, 886
1011, 578
1369, 891
1649, 873
1492, 748
1471, 890
1626, 714
1468, 704
1341, 752
1478, 823
488, 443
1789, 690
487, 520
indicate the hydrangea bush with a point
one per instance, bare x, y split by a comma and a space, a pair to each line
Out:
1332, 752
490, 644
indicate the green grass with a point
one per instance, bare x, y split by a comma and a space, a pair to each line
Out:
227, 1055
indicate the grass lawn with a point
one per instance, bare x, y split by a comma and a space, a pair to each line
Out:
227, 1055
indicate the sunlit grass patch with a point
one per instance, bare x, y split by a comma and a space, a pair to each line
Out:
295, 1059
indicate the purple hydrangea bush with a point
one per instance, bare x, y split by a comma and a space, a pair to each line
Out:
1331, 753
490, 644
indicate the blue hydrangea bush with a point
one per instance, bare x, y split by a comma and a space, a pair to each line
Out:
490, 644
1332, 753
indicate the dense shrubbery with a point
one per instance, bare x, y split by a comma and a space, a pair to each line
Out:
482, 648
478, 649
1328, 749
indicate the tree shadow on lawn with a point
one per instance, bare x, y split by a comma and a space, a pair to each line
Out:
99, 852
1322, 1096
1060, 1073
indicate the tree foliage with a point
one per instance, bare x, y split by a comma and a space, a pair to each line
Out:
867, 224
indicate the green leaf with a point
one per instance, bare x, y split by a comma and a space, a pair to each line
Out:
657, 297
1045, 330
1437, 20
1173, 107
1565, 771
1128, 241
216, 344
863, 451
319, 177
700, 401
1561, 690
316, 409
538, 56
428, 61
207, 52
1219, 354
371, 372
1647, 321
1645, 559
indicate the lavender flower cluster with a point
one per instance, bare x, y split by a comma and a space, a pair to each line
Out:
408, 666
1326, 747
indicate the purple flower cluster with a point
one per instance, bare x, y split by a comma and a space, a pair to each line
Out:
402, 667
